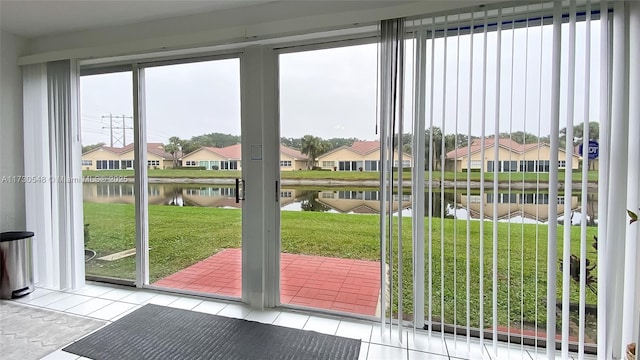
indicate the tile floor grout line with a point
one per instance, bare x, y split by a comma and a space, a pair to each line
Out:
88, 314
446, 347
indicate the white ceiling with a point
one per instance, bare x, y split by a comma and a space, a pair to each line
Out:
35, 18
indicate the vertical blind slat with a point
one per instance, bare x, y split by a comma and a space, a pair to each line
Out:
603, 172
618, 165
634, 149
566, 263
539, 133
431, 118
455, 223
441, 162
496, 154
400, 119
482, 180
524, 127
468, 246
418, 184
384, 94
584, 186
511, 87
552, 253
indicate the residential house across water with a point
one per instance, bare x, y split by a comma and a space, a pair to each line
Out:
114, 158
512, 157
229, 158
360, 156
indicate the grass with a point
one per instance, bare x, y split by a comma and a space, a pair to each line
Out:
343, 175
181, 236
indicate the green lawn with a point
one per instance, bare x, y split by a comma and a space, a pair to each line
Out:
181, 236
342, 175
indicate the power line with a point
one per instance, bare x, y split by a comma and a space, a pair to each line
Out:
114, 137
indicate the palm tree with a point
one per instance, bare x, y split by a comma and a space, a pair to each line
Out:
173, 148
436, 147
312, 146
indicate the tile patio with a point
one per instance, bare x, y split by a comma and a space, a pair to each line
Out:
345, 285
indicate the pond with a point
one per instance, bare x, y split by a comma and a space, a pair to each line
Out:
514, 206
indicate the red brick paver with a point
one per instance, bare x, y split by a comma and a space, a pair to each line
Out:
321, 282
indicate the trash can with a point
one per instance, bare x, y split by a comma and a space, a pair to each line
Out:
16, 266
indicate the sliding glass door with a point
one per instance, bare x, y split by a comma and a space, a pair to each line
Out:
330, 243
193, 157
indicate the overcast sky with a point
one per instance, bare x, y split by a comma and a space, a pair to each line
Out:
332, 92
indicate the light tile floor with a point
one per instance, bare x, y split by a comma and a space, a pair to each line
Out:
111, 302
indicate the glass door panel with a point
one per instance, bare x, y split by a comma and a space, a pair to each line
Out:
193, 157
108, 197
330, 235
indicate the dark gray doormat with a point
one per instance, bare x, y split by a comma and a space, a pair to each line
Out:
158, 332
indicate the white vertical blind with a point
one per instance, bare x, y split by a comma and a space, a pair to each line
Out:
430, 309
603, 171
496, 166
554, 121
38, 195
584, 185
468, 188
53, 190
535, 60
631, 297
568, 180
618, 165
633, 200
392, 33
443, 318
417, 177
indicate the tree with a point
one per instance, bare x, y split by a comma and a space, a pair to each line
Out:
312, 146
521, 137
293, 143
455, 141
578, 132
189, 146
91, 147
174, 148
434, 135
335, 143
218, 140
310, 202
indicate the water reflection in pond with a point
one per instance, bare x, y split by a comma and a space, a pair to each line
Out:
517, 207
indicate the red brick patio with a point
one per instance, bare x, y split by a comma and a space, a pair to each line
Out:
314, 281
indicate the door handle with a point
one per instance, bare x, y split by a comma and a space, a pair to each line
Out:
237, 190
238, 197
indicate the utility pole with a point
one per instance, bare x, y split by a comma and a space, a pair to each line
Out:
114, 139
124, 136
110, 128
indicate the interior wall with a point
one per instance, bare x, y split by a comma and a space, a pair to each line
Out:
270, 20
12, 208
